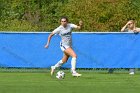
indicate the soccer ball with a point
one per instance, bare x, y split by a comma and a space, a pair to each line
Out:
60, 75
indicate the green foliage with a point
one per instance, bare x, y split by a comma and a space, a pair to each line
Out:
43, 15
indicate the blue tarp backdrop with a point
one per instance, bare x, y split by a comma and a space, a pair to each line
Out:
94, 50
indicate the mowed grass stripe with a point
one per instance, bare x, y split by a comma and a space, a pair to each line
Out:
89, 82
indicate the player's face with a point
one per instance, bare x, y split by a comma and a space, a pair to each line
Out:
131, 25
64, 22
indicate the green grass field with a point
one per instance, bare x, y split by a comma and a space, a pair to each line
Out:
90, 82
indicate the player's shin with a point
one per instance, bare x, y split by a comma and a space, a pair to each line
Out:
59, 64
73, 65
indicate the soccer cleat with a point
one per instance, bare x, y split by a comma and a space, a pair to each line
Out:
76, 74
131, 73
52, 70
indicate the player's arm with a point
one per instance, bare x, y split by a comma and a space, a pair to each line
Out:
49, 39
123, 28
137, 30
56, 31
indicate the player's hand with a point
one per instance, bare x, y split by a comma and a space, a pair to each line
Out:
135, 30
80, 23
129, 22
47, 46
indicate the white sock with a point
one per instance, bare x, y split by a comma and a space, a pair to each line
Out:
131, 70
58, 64
73, 65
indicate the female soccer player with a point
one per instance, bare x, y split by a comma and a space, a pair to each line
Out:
130, 27
64, 30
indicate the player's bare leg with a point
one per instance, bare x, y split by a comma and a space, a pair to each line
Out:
70, 52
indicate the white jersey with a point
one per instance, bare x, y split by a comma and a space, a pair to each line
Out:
65, 33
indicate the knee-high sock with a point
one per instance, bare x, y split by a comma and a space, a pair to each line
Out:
58, 64
73, 64
131, 70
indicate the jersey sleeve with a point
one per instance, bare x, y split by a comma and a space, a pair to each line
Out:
56, 31
73, 26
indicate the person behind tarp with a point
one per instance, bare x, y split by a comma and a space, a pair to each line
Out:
130, 26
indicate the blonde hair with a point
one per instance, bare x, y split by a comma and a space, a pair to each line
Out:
132, 21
